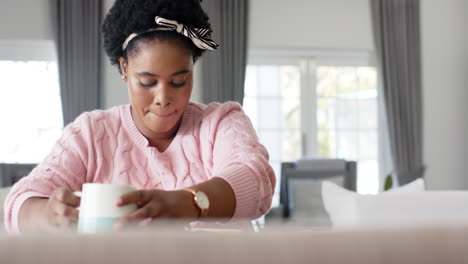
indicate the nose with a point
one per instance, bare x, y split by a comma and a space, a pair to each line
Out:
163, 98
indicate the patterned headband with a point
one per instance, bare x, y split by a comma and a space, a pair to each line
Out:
199, 36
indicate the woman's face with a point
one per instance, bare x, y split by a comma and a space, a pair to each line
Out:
159, 79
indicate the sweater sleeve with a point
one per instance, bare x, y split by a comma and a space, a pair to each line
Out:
65, 166
242, 161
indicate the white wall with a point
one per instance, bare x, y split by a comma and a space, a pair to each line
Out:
445, 81
26, 30
310, 23
114, 91
25, 19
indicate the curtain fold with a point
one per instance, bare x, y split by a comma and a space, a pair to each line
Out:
396, 25
223, 70
76, 27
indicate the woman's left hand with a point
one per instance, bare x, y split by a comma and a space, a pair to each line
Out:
157, 204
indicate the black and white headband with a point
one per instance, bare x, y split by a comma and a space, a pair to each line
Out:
199, 36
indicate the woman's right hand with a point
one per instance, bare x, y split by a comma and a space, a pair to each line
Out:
61, 211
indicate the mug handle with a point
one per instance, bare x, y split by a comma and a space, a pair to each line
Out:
79, 194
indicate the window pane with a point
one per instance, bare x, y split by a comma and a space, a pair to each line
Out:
275, 112
367, 78
326, 108
291, 114
347, 119
250, 107
368, 145
276, 167
367, 110
251, 81
30, 104
347, 80
327, 81
347, 145
291, 145
346, 114
290, 82
269, 81
272, 140
270, 113
327, 143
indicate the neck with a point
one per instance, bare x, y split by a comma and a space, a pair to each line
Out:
165, 136
156, 139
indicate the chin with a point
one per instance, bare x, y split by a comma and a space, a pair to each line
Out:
163, 127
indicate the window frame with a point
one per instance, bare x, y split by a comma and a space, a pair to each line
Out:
308, 60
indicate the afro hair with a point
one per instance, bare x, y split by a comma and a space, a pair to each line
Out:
136, 16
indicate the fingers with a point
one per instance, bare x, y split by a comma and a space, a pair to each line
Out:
146, 213
137, 197
145, 221
63, 225
66, 220
143, 212
61, 210
66, 211
66, 196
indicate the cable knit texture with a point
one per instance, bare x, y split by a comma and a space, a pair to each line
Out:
217, 140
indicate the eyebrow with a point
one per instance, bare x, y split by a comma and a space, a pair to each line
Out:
155, 75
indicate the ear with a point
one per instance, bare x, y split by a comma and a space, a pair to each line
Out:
123, 66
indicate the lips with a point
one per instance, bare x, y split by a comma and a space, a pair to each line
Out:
165, 115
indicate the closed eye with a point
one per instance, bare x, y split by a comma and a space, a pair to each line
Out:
148, 84
178, 84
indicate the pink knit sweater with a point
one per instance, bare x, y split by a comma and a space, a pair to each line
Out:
106, 147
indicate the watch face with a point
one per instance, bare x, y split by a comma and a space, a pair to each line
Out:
202, 200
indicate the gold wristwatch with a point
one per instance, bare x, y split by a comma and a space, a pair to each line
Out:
201, 201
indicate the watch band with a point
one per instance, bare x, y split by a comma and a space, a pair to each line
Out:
203, 211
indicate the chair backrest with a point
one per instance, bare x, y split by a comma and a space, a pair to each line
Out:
305, 175
10, 173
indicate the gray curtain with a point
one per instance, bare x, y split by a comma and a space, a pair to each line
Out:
396, 27
223, 70
76, 25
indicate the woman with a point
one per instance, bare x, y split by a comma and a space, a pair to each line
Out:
161, 143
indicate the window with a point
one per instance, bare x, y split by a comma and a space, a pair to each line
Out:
347, 119
30, 110
272, 101
316, 106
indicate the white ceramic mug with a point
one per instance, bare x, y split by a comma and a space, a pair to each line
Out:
98, 209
